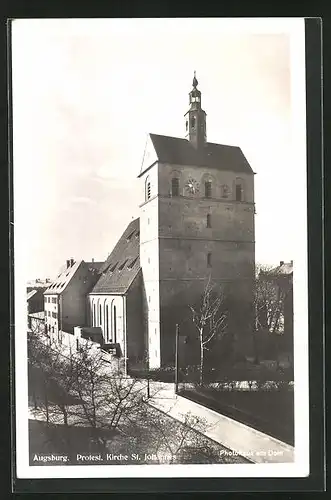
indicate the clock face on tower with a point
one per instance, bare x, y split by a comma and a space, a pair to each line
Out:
192, 186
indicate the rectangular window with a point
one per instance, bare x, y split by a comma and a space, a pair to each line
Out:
175, 186
208, 189
209, 259
208, 220
54, 315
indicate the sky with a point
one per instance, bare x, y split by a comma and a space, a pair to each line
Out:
87, 92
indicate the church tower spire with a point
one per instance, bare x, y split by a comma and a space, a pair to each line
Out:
196, 118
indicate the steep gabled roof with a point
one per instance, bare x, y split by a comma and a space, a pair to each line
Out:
31, 294
180, 151
64, 278
122, 265
284, 268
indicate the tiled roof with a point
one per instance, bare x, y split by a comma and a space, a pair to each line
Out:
39, 283
122, 265
37, 315
285, 268
31, 294
179, 151
64, 278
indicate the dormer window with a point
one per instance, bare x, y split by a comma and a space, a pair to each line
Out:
110, 268
132, 263
130, 236
122, 265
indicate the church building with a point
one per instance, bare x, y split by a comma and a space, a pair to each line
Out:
196, 223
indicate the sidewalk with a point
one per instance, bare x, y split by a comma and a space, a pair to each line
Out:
237, 437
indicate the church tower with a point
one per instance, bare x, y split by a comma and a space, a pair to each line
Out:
195, 118
196, 223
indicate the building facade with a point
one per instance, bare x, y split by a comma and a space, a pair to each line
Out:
196, 222
115, 302
65, 298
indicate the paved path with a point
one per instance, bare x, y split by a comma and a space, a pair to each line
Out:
237, 437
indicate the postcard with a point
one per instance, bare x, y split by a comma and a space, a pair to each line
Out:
160, 254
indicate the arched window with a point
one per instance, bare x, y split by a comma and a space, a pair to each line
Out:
208, 190
175, 186
107, 322
147, 188
208, 220
114, 324
239, 190
193, 122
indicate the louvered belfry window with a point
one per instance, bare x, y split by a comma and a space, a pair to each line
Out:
175, 186
207, 189
238, 192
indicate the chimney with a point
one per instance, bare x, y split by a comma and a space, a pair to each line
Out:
72, 262
281, 263
68, 263
291, 262
92, 259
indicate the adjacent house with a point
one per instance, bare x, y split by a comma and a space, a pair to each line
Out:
65, 298
35, 294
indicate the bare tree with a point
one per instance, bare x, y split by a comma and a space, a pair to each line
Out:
107, 398
171, 441
80, 389
209, 319
270, 292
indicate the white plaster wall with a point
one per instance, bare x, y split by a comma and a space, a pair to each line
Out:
109, 300
49, 308
149, 261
